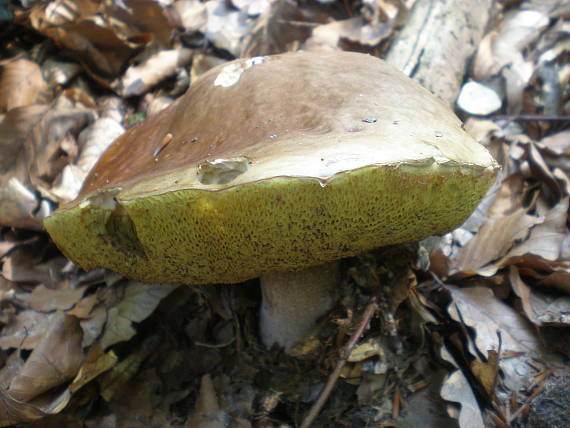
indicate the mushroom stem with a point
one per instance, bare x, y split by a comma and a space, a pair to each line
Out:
293, 301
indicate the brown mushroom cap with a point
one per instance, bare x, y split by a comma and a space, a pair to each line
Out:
275, 163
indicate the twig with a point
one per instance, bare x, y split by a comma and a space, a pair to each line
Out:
531, 118
327, 389
541, 382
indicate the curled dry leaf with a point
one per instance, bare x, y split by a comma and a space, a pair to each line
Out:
30, 138
504, 47
137, 302
62, 298
493, 242
25, 330
19, 206
540, 308
207, 413
356, 31
93, 140
226, 27
546, 239
456, 389
138, 79
328, 36
509, 231
14, 129
95, 363
115, 381
22, 265
497, 326
190, 14
14, 411
104, 36
59, 72
504, 52
53, 362
21, 84
280, 28
202, 63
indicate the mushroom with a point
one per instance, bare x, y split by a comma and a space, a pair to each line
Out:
276, 167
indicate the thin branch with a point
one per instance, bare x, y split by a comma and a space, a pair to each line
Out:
327, 389
531, 118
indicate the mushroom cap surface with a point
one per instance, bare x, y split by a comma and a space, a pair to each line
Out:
275, 163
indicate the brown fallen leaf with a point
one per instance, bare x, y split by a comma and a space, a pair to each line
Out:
25, 330
96, 362
103, 36
207, 413
456, 388
23, 265
496, 325
540, 308
116, 380
139, 78
282, 27
14, 411
492, 242
226, 27
63, 297
53, 362
546, 239
502, 52
21, 84
29, 138
136, 302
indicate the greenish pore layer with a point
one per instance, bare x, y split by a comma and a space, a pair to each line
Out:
286, 223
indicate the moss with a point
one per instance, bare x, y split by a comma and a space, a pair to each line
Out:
285, 223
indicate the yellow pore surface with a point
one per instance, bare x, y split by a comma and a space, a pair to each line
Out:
196, 236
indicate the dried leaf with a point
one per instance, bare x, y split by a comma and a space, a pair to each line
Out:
53, 362
14, 411
280, 28
137, 303
540, 308
19, 206
115, 381
21, 84
457, 389
62, 297
225, 26
207, 413
96, 363
95, 139
59, 72
25, 330
191, 14
102, 35
22, 265
546, 239
497, 326
138, 79
492, 242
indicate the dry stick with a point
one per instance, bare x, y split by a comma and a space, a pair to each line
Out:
530, 118
326, 392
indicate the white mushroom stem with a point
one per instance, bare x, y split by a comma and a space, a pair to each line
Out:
293, 301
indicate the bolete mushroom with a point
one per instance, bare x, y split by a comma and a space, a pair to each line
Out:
273, 167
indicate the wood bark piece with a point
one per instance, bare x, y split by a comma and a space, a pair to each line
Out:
437, 42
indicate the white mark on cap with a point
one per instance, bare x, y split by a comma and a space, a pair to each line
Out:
231, 73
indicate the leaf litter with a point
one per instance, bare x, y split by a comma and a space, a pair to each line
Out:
468, 329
